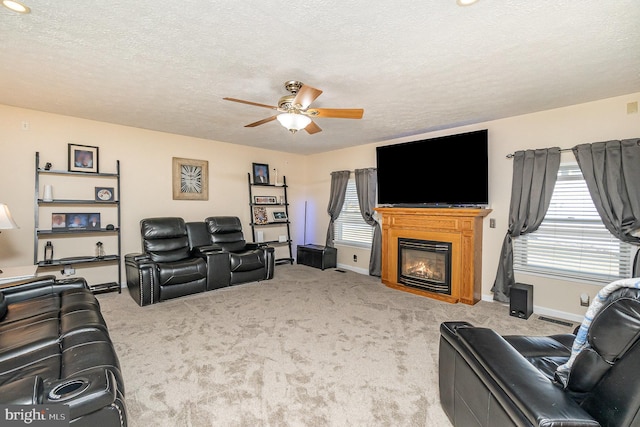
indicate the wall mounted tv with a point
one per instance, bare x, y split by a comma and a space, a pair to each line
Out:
445, 171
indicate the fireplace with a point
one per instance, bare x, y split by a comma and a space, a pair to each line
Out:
425, 264
458, 274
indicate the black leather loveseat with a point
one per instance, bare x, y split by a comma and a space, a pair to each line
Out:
55, 349
181, 258
492, 380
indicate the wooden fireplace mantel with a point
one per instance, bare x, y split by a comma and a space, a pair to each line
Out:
462, 227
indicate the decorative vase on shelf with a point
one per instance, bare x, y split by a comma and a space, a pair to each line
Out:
47, 195
48, 253
275, 177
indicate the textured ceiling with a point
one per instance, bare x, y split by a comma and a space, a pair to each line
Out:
412, 66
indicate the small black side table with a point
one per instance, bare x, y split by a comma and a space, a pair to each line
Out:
317, 256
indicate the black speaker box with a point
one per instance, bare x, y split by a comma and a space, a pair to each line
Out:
521, 300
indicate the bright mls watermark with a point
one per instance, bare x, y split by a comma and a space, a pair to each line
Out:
34, 415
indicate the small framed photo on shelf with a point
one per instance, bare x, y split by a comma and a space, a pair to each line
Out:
83, 221
58, 221
83, 158
260, 174
104, 194
260, 215
265, 200
279, 216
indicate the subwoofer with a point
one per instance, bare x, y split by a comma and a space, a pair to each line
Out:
521, 300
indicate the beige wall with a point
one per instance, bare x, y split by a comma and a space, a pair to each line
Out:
565, 127
145, 158
146, 165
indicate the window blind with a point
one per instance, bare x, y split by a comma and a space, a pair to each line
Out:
572, 242
350, 228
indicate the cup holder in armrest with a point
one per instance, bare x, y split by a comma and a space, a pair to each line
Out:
68, 389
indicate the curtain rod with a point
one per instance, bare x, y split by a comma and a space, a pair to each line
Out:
510, 156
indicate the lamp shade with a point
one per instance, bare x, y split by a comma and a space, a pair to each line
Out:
293, 122
6, 221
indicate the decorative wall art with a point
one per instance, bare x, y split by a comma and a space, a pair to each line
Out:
260, 174
190, 179
83, 158
265, 200
104, 194
70, 221
260, 215
279, 216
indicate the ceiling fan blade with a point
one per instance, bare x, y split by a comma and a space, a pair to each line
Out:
312, 128
261, 122
306, 96
336, 113
251, 103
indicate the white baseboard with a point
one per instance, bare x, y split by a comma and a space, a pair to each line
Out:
359, 270
544, 311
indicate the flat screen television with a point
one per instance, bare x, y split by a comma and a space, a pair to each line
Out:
445, 171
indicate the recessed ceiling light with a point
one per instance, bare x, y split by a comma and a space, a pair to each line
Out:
466, 2
16, 6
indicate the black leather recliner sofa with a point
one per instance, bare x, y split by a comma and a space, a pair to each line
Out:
55, 349
181, 258
492, 380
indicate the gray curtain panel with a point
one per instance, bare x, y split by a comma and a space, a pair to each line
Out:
339, 180
366, 183
612, 172
534, 176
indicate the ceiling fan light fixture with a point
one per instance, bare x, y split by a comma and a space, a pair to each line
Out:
293, 122
466, 2
16, 6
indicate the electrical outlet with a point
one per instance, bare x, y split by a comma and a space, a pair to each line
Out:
355, 258
492, 223
584, 300
632, 107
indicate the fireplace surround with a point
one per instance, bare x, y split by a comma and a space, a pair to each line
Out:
458, 228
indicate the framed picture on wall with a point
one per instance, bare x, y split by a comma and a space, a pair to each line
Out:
104, 194
279, 216
190, 179
265, 200
260, 215
58, 221
260, 174
83, 158
81, 221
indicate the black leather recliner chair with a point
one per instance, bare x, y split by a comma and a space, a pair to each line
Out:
232, 259
492, 380
167, 268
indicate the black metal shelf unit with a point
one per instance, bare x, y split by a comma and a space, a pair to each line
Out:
281, 202
67, 233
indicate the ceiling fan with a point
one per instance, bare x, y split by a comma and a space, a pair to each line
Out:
294, 110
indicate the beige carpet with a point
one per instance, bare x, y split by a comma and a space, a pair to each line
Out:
308, 348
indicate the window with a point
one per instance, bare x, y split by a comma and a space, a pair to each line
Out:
572, 242
350, 228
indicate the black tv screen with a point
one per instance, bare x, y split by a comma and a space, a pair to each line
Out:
445, 171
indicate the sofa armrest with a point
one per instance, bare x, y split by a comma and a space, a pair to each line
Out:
514, 381
38, 286
203, 250
84, 394
142, 278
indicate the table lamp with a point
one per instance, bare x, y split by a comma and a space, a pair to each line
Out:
6, 221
